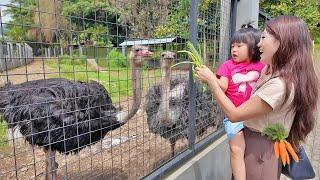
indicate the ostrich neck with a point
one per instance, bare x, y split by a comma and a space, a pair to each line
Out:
124, 116
165, 95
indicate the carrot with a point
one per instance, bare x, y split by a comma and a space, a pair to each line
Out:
288, 158
276, 149
282, 149
291, 151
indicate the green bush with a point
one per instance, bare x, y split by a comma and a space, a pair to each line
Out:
317, 40
114, 59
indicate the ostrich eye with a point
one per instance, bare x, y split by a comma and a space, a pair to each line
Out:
162, 55
137, 50
175, 56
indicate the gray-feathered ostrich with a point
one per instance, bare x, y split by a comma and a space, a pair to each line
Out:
168, 105
66, 116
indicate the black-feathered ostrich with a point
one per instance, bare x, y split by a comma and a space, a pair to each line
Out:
66, 116
168, 105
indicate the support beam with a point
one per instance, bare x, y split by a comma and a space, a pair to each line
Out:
247, 11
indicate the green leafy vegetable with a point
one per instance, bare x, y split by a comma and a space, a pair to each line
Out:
275, 132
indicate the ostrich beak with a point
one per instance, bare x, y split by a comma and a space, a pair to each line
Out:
144, 53
109, 113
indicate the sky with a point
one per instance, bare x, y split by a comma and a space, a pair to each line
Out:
2, 3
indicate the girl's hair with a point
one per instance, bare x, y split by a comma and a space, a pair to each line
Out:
293, 60
250, 36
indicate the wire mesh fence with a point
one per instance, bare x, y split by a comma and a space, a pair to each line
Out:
87, 89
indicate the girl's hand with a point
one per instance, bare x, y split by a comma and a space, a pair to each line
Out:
205, 74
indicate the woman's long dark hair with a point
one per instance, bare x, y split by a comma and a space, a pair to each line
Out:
293, 60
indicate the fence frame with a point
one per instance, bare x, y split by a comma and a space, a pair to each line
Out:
194, 148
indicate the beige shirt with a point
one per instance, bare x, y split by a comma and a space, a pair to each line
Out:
272, 91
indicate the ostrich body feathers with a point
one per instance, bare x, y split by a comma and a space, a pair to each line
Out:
59, 114
206, 109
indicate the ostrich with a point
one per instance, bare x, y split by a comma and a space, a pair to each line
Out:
168, 105
66, 116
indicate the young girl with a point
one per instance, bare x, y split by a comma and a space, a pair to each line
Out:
286, 93
236, 78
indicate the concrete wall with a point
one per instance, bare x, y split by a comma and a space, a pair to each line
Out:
247, 11
212, 163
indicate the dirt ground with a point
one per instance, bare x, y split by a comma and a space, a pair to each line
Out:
129, 152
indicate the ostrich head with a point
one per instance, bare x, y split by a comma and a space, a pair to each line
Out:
137, 55
167, 58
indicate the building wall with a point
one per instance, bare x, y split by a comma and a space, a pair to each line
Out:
247, 11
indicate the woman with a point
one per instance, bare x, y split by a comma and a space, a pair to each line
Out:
286, 93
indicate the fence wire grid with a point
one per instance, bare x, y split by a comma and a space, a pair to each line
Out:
87, 89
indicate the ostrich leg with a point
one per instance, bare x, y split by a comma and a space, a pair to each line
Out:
51, 165
173, 144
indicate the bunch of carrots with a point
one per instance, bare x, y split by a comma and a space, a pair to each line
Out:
282, 148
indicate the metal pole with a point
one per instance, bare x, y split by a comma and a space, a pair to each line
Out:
234, 4
233, 19
192, 101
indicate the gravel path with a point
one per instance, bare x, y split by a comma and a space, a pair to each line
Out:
35, 70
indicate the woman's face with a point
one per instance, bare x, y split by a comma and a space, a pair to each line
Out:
268, 46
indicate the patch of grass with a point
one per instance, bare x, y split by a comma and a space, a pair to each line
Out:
316, 58
316, 52
72, 60
117, 80
3, 133
316, 47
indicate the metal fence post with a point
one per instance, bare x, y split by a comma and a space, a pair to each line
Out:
233, 18
224, 37
192, 102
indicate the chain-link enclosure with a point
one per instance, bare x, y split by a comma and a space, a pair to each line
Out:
87, 89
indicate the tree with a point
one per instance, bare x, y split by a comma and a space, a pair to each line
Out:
34, 22
142, 17
48, 18
308, 10
94, 21
177, 21
21, 19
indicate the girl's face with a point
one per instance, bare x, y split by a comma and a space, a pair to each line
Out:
268, 46
240, 52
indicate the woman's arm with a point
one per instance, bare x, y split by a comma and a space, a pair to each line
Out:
254, 107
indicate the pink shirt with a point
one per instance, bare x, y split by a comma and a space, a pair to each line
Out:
242, 78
